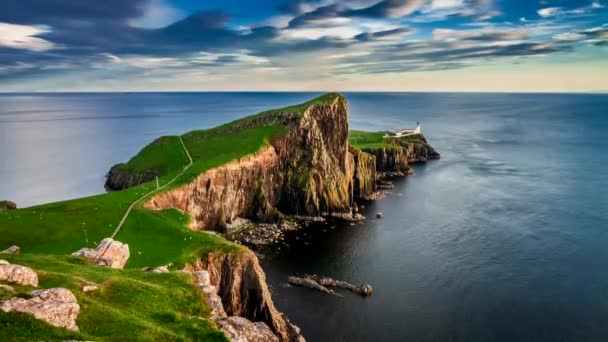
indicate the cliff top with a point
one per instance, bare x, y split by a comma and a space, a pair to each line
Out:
151, 305
215, 146
365, 140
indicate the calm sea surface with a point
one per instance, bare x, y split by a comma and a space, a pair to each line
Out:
504, 239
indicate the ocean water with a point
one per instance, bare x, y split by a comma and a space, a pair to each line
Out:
503, 239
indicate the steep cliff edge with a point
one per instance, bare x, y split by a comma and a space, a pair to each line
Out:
241, 284
394, 154
308, 171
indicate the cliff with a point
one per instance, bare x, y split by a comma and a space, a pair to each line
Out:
308, 171
241, 285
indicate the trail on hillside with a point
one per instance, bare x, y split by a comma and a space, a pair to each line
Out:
126, 215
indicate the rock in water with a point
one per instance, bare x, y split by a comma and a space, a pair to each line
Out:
11, 250
57, 307
239, 329
304, 282
322, 283
109, 253
18, 274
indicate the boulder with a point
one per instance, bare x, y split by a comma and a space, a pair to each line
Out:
89, 288
109, 253
215, 304
18, 274
11, 250
57, 307
7, 205
239, 329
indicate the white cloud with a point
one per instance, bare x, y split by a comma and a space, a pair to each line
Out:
568, 37
24, 37
157, 14
549, 11
406, 8
443, 4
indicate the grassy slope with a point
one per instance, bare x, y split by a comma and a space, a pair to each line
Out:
363, 140
48, 232
143, 306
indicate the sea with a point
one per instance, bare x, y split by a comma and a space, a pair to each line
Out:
505, 238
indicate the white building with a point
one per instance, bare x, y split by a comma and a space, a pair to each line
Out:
409, 131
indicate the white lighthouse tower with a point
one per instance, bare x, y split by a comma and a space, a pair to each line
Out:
418, 130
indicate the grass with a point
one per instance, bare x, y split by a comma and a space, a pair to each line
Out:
163, 157
129, 305
370, 140
130, 302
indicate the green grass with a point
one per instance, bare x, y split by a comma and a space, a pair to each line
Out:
369, 140
129, 305
163, 157
132, 303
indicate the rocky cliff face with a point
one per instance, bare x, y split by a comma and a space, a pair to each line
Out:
307, 172
241, 285
364, 178
118, 179
396, 160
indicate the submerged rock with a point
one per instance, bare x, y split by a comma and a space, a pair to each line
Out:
18, 274
57, 307
109, 253
322, 283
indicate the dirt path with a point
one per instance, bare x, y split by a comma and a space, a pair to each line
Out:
126, 215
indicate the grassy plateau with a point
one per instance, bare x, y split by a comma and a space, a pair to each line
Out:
132, 303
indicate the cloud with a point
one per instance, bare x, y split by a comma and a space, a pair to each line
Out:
549, 11
62, 12
24, 37
384, 35
387, 9
157, 14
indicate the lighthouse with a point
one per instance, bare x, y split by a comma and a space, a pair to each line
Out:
418, 130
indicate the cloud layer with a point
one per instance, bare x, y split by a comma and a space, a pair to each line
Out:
150, 39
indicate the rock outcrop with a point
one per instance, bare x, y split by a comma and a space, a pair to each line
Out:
109, 253
11, 250
118, 178
364, 177
308, 172
239, 329
21, 275
236, 328
241, 285
57, 307
7, 205
396, 160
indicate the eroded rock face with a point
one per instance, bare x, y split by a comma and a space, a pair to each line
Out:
242, 287
396, 161
239, 329
243, 188
11, 250
118, 178
18, 274
364, 178
57, 307
109, 253
308, 172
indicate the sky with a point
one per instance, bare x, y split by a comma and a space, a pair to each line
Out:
304, 45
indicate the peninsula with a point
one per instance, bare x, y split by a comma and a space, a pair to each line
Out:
167, 218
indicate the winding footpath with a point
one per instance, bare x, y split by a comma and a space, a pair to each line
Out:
126, 215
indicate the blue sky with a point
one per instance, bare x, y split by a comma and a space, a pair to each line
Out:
397, 45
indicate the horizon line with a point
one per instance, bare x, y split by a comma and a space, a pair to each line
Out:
600, 92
